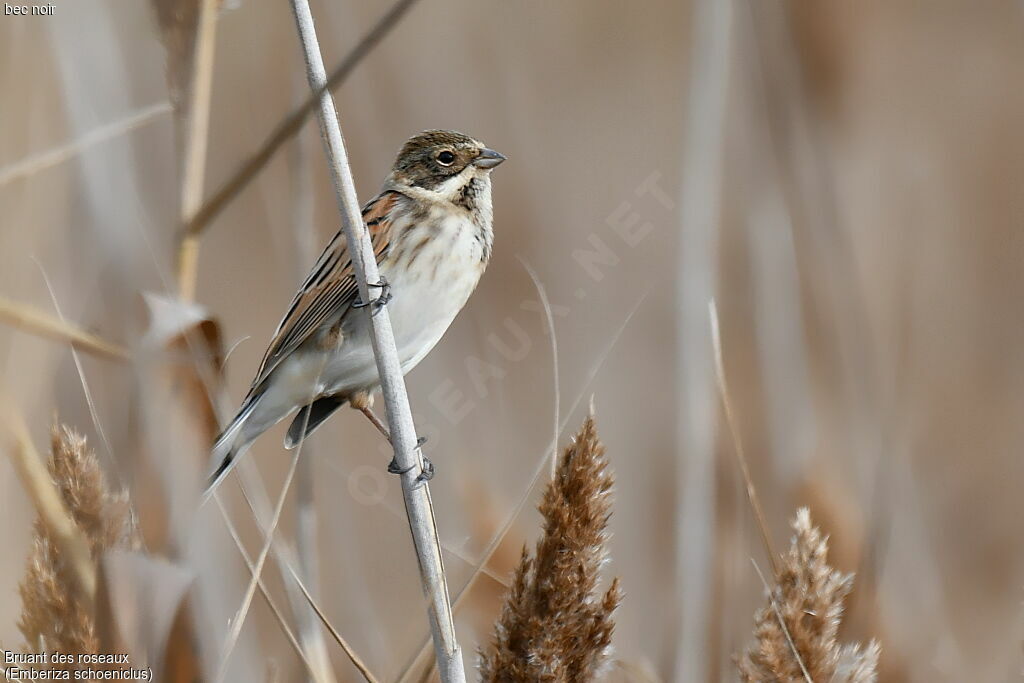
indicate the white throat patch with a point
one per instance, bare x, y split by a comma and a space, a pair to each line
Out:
447, 191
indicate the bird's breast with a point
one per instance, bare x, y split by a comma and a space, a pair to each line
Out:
433, 267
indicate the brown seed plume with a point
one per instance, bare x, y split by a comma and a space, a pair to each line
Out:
555, 625
52, 617
796, 631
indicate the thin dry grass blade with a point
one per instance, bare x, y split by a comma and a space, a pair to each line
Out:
39, 323
31, 165
243, 610
281, 553
741, 457
90, 402
550, 321
353, 657
278, 615
453, 550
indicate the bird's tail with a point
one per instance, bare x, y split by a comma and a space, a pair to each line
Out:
229, 447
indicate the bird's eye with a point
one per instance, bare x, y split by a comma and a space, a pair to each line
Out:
446, 158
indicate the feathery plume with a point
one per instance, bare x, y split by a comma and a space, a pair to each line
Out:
796, 632
555, 626
53, 618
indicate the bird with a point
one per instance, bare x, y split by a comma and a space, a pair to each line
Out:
431, 230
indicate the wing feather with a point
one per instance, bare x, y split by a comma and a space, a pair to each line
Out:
329, 289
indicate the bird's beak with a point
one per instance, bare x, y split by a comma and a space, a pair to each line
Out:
489, 158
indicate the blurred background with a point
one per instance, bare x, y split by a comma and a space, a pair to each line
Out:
844, 179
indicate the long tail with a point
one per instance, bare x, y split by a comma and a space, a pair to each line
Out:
229, 447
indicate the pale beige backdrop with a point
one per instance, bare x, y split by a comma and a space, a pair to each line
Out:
866, 256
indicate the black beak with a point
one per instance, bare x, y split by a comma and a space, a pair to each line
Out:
489, 158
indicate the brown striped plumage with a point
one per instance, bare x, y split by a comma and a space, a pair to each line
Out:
430, 227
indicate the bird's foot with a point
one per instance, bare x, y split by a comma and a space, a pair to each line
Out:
382, 299
425, 475
385, 291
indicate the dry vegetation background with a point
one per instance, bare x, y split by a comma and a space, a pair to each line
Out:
865, 250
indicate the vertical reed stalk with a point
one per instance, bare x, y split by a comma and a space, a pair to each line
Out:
704, 138
403, 433
197, 135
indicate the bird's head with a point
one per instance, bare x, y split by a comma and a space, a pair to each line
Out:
443, 162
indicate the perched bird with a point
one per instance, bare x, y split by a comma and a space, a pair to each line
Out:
430, 226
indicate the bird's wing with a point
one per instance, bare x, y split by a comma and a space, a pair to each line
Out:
329, 288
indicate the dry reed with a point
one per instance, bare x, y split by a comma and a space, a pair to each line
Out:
41, 324
188, 32
54, 617
796, 632
289, 127
408, 457
177, 22
555, 626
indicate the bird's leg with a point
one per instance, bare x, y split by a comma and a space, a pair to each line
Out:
363, 402
381, 300
379, 424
